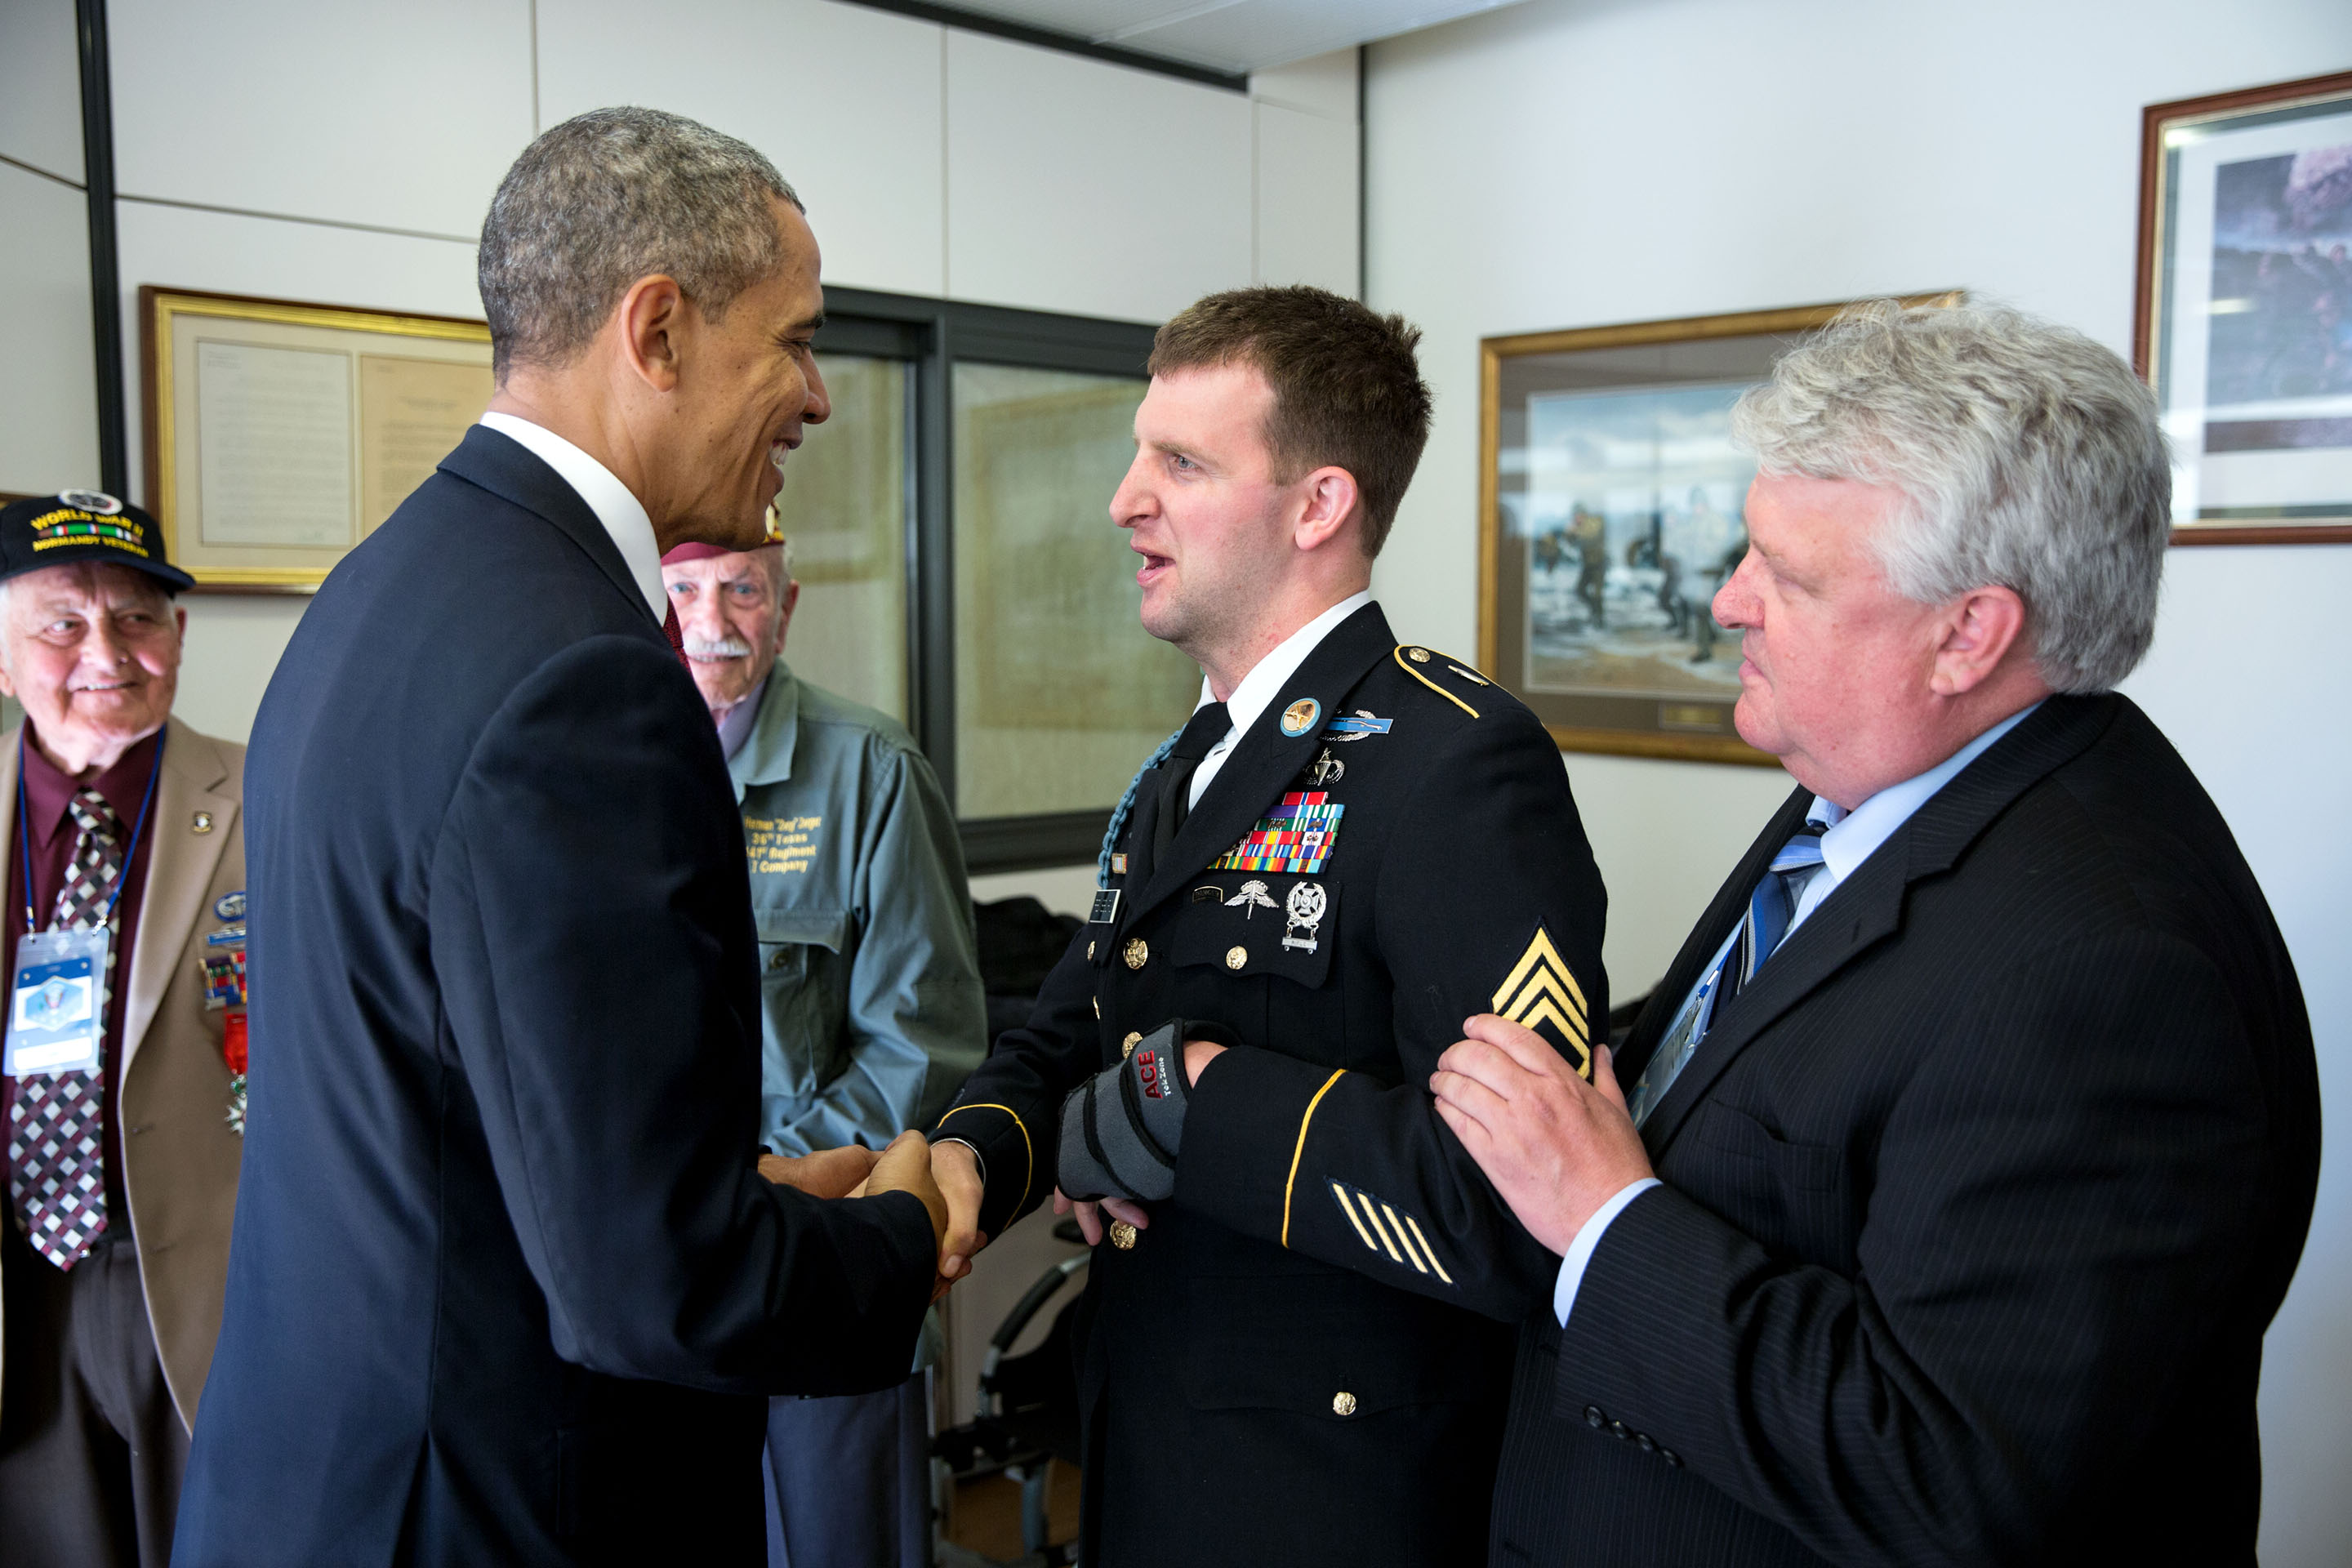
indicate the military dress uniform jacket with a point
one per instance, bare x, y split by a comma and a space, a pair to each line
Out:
180, 1154
1976, 1203
873, 1011
1302, 1358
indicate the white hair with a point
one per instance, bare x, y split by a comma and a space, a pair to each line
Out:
2027, 455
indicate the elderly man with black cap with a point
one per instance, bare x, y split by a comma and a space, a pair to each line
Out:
123, 1075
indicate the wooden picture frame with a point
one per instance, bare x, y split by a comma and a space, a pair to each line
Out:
2242, 309
278, 434
1626, 658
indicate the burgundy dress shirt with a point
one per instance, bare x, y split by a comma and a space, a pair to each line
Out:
47, 829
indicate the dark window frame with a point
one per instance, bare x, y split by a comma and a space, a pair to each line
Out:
931, 336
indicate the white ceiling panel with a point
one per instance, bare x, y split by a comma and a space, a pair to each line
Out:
1237, 36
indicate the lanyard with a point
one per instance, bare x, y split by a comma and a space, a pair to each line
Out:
24, 836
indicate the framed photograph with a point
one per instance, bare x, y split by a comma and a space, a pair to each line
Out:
280, 433
2244, 317
1610, 502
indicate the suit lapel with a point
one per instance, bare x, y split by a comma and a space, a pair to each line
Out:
1263, 761
1868, 906
180, 866
507, 469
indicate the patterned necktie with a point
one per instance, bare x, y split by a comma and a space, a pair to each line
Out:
57, 1127
1770, 907
677, 635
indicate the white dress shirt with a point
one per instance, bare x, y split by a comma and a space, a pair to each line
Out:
623, 514
1850, 837
1263, 683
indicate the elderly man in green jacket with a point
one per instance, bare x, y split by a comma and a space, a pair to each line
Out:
870, 987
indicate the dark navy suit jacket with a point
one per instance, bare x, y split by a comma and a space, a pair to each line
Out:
505, 1285
1978, 1202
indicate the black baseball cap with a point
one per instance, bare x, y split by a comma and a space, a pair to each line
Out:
83, 525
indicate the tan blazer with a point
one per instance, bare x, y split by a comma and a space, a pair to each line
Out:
179, 1154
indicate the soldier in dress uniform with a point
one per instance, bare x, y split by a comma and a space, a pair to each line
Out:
1297, 1342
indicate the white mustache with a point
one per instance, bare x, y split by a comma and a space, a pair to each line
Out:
723, 648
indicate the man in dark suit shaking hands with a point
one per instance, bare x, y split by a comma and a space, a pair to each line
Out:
505, 1285
1966, 1151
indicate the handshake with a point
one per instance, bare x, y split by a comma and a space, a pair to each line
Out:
1120, 1131
945, 1177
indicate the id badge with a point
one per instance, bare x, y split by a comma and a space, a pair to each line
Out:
57, 1014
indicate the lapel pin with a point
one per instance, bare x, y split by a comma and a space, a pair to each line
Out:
203, 822
1301, 716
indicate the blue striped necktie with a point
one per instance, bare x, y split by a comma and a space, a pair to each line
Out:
1770, 907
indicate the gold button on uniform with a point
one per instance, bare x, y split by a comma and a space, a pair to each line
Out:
1122, 1235
1418, 654
1343, 1403
1127, 1046
1236, 957
1138, 952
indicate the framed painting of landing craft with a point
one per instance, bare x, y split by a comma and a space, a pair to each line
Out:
1609, 506
2245, 325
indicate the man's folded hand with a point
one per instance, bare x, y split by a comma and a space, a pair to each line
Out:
827, 1173
905, 1167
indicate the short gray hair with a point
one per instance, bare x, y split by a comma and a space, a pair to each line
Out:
608, 197
2030, 456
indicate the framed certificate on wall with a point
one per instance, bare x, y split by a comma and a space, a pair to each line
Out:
279, 433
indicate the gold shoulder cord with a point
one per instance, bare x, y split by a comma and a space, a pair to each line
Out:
1399, 655
1028, 1148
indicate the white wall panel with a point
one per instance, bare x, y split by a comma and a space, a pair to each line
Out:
234, 644
1571, 162
1077, 186
1308, 199
48, 394
846, 101
1327, 85
40, 86
175, 247
400, 116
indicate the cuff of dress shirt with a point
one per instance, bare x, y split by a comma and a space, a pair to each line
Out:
1579, 1251
977, 1157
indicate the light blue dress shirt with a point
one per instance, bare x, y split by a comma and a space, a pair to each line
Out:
1848, 838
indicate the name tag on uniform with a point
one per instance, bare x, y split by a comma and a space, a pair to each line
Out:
57, 1003
1105, 907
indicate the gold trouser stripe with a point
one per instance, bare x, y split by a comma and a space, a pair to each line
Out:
1409, 1251
1442, 1274
1379, 1229
1300, 1149
1028, 1148
1349, 1209
1398, 654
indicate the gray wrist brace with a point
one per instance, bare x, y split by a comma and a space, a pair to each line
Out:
1122, 1129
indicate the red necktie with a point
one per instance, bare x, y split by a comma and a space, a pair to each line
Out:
677, 638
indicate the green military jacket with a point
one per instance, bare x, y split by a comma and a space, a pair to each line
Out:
872, 1009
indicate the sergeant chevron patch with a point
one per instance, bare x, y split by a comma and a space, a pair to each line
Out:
1400, 1235
1541, 991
